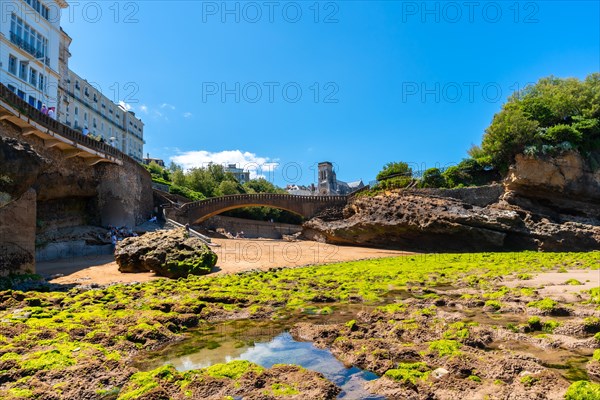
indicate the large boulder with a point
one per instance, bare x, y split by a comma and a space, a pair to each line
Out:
170, 253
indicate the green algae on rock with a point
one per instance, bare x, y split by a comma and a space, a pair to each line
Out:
173, 254
77, 344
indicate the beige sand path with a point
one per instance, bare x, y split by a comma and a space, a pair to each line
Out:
234, 256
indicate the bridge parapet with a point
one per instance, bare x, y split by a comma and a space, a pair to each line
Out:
262, 197
306, 206
32, 121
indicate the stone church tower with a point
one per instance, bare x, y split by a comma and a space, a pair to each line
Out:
327, 179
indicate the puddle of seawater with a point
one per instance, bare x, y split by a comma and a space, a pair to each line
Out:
569, 363
266, 343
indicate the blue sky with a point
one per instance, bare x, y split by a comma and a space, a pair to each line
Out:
379, 81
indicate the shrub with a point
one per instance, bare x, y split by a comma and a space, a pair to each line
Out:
432, 178
562, 133
394, 169
399, 182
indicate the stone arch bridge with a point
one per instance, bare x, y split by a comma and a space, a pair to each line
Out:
306, 206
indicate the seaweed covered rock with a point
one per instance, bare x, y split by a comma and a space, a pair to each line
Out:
173, 254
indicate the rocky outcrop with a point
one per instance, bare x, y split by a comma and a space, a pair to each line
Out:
67, 193
17, 235
20, 166
551, 204
173, 254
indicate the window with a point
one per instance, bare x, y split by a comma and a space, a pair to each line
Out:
76, 110
95, 98
12, 64
12, 88
85, 117
27, 38
86, 92
39, 105
23, 70
40, 8
31, 101
77, 85
33, 76
42, 83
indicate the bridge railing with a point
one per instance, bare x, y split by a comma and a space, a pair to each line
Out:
261, 197
65, 131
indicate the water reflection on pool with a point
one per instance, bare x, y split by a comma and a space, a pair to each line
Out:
270, 347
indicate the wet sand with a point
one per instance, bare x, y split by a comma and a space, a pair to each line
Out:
553, 284
234, 256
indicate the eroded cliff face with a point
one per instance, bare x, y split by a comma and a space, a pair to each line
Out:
551, 205
20, 166
44, 192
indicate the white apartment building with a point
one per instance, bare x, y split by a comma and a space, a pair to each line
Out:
34, 63
83, 107
29, 45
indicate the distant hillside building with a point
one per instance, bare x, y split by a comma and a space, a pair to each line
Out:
239, 174
301, 190
158, 161
329, 185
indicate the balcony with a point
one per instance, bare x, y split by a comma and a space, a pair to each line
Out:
16, 40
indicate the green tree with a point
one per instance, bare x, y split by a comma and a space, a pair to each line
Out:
201, 180
550, 117
261, 185
433, 178
228, 187
509, 133
178, 177
394, 169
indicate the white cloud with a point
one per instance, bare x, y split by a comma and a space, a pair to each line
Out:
125, 106
144, 108
167, 105
188, 115
258, 166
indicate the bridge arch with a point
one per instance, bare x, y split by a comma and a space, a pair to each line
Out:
305, 206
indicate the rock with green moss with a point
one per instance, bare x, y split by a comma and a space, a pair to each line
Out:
173, 254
